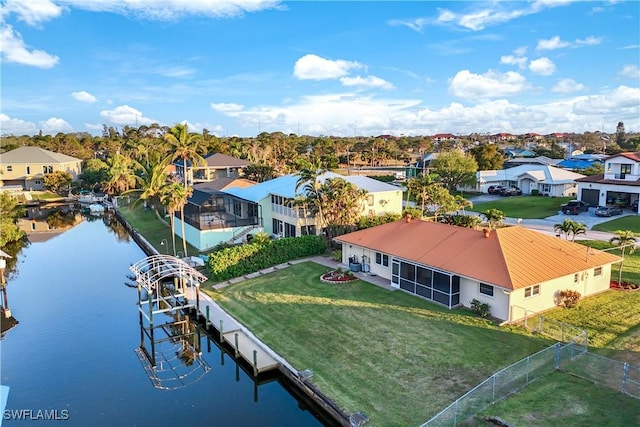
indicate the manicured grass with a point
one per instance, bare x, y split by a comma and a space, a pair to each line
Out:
145, 222
559, 399
630, 265
398, 358
631, 223
524, 206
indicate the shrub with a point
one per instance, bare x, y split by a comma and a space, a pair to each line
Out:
535, 192
336, 255
568, 298
482, 309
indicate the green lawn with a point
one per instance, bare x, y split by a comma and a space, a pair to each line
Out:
559, 399
524, 206
631, 223
146, 223
374, 350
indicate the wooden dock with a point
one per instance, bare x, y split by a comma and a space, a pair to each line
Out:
233, 333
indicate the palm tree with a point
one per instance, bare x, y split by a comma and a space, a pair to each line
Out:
494, 217
175, 198
570, 228
623, 239
185, 146
121, 174
308, 180
462, 203
152, 183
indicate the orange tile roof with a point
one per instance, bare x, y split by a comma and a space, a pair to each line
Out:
511, 257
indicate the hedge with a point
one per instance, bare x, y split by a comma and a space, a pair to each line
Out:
249, 258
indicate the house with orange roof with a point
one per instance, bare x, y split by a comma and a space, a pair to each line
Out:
517, 271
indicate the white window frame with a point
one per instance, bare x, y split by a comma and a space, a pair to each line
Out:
532, 291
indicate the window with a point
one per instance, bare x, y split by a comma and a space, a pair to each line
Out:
9, 168
531, 291
486, 289
370, 200
47, 169
28, 170
624, 169
597, 271
237, 208
575, 278
382, 259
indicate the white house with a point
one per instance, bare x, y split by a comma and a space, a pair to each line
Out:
517, 271
546, 179
619, 185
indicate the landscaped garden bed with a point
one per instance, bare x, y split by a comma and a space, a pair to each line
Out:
624, 286
338, 276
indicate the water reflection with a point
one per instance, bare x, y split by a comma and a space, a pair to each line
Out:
171, 353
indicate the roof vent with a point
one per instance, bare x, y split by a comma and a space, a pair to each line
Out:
486, 232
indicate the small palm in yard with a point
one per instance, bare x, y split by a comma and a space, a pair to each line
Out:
624, 239
570, 228
494, 217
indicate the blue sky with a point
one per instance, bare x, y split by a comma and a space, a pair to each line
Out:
241, 67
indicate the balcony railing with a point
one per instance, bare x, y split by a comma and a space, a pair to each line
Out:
210, 221
621, 176
291, 212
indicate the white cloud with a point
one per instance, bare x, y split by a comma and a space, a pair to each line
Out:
568, 86
543, 66
13, 49
520, 51
369, 81
552, 44
520, 61
313, 67
33, 12
589, 41
491, 84
125, 115
226, 108
630, 71
84, 96
11, 126
55, 125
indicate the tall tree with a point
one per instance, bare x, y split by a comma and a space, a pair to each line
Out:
570, 228
454, 168
175, 197
309, 182
122, 174
186, 146
10, 211
152, 183
342, 204
624, 239
487, 156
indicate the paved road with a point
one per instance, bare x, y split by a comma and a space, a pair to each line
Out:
546, 225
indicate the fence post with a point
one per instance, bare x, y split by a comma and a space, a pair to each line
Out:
625, 375
455, 413
557, 356
528, 369
540, 324
562, 330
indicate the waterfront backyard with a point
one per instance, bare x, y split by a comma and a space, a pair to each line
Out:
371, 349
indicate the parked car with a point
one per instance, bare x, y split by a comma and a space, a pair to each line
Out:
511, 191
495, 189
574, 207
608, 211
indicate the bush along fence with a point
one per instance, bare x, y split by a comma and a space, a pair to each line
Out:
240, 260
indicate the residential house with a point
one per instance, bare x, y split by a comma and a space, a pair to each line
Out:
619, 185
217, 166
546, 180
512, 153
212, 216
230, 213
441, 137
517, 271
539, 160
27, 166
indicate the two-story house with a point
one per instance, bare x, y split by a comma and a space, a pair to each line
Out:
228, 213
27, 166
619, 185
217, 166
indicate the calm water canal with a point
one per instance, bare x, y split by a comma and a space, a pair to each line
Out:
74, 347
